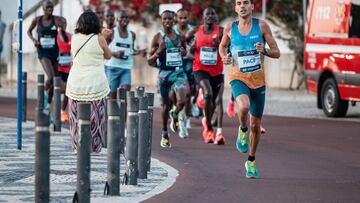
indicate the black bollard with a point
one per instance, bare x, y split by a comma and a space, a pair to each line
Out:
57, 104
132, 126
150, 100
24, 96
121, 93
40, 94
143, 137
140, 91
42, 153
113, 152
83, 154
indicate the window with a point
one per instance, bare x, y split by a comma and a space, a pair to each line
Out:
354, 29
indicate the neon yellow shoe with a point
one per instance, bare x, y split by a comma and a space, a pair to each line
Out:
242, 141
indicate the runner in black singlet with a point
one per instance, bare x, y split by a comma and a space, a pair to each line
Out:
47, 48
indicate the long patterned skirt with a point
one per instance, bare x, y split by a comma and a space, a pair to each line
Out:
97, 123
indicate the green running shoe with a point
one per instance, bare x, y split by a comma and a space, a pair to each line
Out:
165, 143
174, 123
183, 131
242, 141
251, 170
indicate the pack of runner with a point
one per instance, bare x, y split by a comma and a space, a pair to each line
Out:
190, 60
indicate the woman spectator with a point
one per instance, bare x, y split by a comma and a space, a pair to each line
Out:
87, 81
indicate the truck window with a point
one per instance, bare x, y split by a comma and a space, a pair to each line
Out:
354, 29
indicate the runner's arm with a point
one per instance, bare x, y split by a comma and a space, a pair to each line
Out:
31, 28
223, 47
274, 51
191, 40
135, 52
154, 50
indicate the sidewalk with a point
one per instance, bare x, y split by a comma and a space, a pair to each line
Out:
17, 175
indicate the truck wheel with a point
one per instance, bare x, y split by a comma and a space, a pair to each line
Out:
332, 105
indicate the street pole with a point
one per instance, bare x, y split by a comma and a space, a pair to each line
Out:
113, 152
19, 74
132, 126
150, 101
143, 137
121, 93
24, 96
42, 155
57, 104
263, 9
82, 194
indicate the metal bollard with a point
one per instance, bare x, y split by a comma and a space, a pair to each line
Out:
140, 90
82, 193
150, 100
132, 126
143, 137
112, 185
121, 93
57, 104
42, 153
24, 96
40, 90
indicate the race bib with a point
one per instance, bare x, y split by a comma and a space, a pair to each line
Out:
47, 42
65, 59
173, 57
249, 61
208, 55
125, 48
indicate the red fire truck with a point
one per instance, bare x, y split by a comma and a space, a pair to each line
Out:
332, 54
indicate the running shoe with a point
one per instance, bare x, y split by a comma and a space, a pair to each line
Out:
165, 142
242, 141
219, 139
208, 136
174, 124
262, 129
183, 132
251, 170
64, 116
231, 109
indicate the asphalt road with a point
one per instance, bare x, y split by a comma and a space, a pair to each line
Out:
299, 160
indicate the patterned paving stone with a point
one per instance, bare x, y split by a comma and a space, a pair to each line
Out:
17, 175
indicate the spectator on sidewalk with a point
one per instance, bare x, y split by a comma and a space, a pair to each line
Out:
87, 80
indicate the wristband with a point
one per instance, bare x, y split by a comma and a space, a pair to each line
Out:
265, 52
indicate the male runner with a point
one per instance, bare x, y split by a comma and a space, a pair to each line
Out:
182, 28
247, 37
168, 48
208, 69
110, 19
47, 26
118, 68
